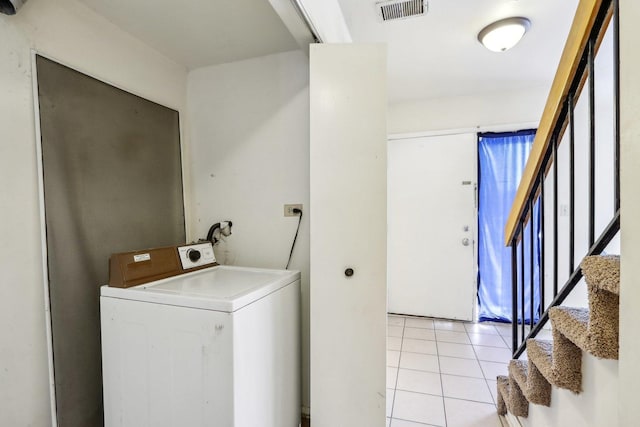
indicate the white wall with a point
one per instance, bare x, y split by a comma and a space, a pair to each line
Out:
604, 178
250, 156
462, 112
74, 35
594, 407
630, 212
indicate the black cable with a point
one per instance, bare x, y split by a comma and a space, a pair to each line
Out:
293, 245
212, 230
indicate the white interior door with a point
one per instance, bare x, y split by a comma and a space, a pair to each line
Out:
432, 222
348, 230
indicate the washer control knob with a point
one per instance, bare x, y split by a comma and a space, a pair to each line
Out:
194, 254
348, 272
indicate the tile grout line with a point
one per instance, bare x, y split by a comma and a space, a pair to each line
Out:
450, 397
437, 343
448, 357
484, 375
415, 422
462, 358
505, 341
453, 342
451, 375
395, 386
444, 408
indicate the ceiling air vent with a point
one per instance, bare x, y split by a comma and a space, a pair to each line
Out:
401, 9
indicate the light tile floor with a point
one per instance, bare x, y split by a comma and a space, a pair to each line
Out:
443, 373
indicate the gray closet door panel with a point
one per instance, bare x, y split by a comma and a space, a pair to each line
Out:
112, 183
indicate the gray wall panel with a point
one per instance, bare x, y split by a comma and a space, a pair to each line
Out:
112, 183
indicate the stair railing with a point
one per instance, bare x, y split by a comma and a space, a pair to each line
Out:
594, 18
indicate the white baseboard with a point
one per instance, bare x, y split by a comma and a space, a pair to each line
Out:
512, 420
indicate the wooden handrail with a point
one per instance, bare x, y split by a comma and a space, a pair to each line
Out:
581, 28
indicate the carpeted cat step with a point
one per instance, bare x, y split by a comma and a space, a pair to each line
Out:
603, 272
503, 390
559, 362
534, 386
510, 398
593, 330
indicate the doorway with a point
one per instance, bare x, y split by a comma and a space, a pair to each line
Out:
501, 160
431, 226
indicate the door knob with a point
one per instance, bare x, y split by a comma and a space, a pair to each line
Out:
348, 272
465, 242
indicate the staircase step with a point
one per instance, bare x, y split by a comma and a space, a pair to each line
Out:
503, 390
540, 353
594, 331
603, 272
510, 398
518, 371
573, 323
533, 384
559, 362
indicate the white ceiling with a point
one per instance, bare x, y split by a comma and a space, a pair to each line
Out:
431, 56
439, 55
198, 33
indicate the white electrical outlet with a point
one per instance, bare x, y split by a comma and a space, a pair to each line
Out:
288, 209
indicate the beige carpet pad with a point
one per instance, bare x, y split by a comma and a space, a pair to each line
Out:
602, 271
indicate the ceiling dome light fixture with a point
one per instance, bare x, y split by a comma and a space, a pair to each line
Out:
504, 34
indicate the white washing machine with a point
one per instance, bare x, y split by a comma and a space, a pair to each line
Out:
215, 347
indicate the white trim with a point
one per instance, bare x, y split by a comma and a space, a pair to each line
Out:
43, 237
294, 18
475, 129
512, 420
476, 212
185, 148
307, 20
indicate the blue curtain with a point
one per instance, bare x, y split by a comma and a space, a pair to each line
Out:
502, 158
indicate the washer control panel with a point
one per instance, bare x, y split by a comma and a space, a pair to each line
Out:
135, 268
196, 255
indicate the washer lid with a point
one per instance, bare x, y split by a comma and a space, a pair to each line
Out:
220, 288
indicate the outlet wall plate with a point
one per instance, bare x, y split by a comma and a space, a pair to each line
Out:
288, 209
